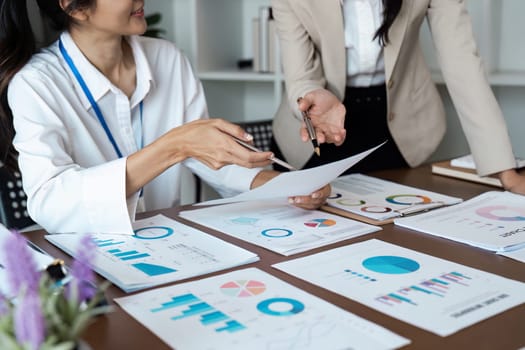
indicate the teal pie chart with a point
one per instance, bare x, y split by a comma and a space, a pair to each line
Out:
391, 265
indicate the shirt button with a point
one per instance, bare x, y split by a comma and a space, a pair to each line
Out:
391, 116
390, 84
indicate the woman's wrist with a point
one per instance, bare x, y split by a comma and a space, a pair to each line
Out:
509, 179
263, 177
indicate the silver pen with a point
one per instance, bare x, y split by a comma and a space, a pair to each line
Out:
273, 159
311, 132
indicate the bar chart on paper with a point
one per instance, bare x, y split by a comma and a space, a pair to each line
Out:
434, 294
162, 250
250, 309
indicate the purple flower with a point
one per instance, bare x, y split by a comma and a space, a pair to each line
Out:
29, 321
21, 268
82, 275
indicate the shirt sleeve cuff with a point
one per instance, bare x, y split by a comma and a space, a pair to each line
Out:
104, 191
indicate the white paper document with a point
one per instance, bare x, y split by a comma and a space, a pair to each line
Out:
518, 255
296, 183
282, 228
42, 261
437, 295
381, 199
468, 162
493, 220
250, 309
161, 250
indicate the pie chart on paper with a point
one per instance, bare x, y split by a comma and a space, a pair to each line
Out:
320, 223
391, 265
243, 288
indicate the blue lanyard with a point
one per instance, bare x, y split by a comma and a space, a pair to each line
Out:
92, 101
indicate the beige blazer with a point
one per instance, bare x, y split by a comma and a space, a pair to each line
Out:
313, 54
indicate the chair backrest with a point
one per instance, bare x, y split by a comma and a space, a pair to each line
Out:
262, 133
13, 200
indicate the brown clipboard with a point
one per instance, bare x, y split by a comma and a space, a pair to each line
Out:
354, 216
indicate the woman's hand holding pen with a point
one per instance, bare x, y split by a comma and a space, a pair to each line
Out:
210, 141
327, 114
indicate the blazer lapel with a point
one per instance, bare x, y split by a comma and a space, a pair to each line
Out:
397, 34
328, 16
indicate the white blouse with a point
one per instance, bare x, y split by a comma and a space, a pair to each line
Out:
364, 56
72, 175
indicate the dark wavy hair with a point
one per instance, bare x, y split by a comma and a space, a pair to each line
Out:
17, 45
390, 12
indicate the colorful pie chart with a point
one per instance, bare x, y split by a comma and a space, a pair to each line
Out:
349, 202
408, 199
391, 265
502, 213
320, 223
243, 288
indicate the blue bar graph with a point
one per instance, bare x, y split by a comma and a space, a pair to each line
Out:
194, 309
231, 327
138, 256
439, 281
213, 317
131, 252
459, 275
106, 242
208, 314
129, 255
399, 297
177, 301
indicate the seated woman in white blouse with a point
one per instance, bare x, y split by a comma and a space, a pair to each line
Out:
105, 119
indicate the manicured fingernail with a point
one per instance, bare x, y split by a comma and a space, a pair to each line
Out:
297, 200
290, 200
248, 137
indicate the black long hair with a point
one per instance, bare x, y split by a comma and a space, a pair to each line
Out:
391, 9
17, 45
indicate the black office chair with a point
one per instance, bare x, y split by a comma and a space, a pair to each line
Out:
13, 200
261, 131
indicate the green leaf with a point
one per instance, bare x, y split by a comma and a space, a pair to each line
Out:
154, 18
9, 342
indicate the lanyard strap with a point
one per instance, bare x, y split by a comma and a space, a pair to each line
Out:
92, 101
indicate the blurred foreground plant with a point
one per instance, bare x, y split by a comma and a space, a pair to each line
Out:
47, 314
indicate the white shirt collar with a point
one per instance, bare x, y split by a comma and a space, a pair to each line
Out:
99, 84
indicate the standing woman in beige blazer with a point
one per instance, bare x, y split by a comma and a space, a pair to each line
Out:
357, 67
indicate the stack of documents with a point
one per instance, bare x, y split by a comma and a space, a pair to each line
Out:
162, 250
250, 309
493, 221
468, 162
282, 228
379, 201
437, 295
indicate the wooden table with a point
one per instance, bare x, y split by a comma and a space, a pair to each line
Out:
118, 330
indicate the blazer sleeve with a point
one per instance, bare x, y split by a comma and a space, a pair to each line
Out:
301, 61
479, 113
